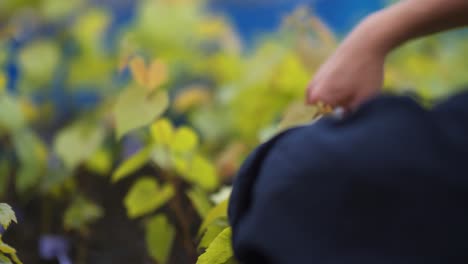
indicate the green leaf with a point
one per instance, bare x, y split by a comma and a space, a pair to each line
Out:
200, 201
146, 196
3, 78
298, 114
77, 143
202, 173
219, 251
185, 140
100, 162
135, 109
81, 213
56, 10
160, 236
132, 164
4, 259
89, 28
32, 154
162, 132
212, 232
11, 116
5, 248
39, 60
7, 215
219, 211
15, 258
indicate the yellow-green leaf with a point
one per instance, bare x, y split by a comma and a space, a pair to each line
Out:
7, 249
200, 201
3, 82
4, 259
89, 28
211, 233
39, 60
298, 114
100, 162
11, 116
132, 164
146, 196
81, 213
7, 215
32, 153
202, 173
55, 10
15, 258
185, 140
162, 131
77, 143
219, 251
135, 109
219, 211
160, 236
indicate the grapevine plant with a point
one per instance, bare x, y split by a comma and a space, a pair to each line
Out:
7, 253
174, 103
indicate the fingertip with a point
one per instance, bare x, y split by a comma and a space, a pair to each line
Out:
311, 97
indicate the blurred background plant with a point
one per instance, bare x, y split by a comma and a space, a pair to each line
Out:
122, 123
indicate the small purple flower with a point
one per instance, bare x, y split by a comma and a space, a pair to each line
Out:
54, 247
130, 146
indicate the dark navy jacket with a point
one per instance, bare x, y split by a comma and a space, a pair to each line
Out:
388, 184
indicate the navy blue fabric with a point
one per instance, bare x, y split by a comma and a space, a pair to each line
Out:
388, 184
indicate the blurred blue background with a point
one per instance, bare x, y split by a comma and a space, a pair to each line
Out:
252, 17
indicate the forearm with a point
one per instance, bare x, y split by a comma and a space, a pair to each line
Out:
409, 19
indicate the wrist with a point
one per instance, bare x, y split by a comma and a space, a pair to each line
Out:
374, 35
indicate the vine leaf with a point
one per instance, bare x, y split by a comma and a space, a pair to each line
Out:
138, 70
162, 132
299, 114
146, 196
220, 249
199, 171
190, 97
151, 76
32, 154
6, 248
132, 164
7, 215
3, 82
81, 213
135, 109
38, 61
160, 236
4, 259
185, 140
11, 117
219, 211
157, 74
77, 143
100, 162
211, 233
200, 201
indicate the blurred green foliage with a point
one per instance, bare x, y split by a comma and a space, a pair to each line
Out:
177, 79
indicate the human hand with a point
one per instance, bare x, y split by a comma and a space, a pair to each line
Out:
353, 74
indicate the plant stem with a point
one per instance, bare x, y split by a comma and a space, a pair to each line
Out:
183, 222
